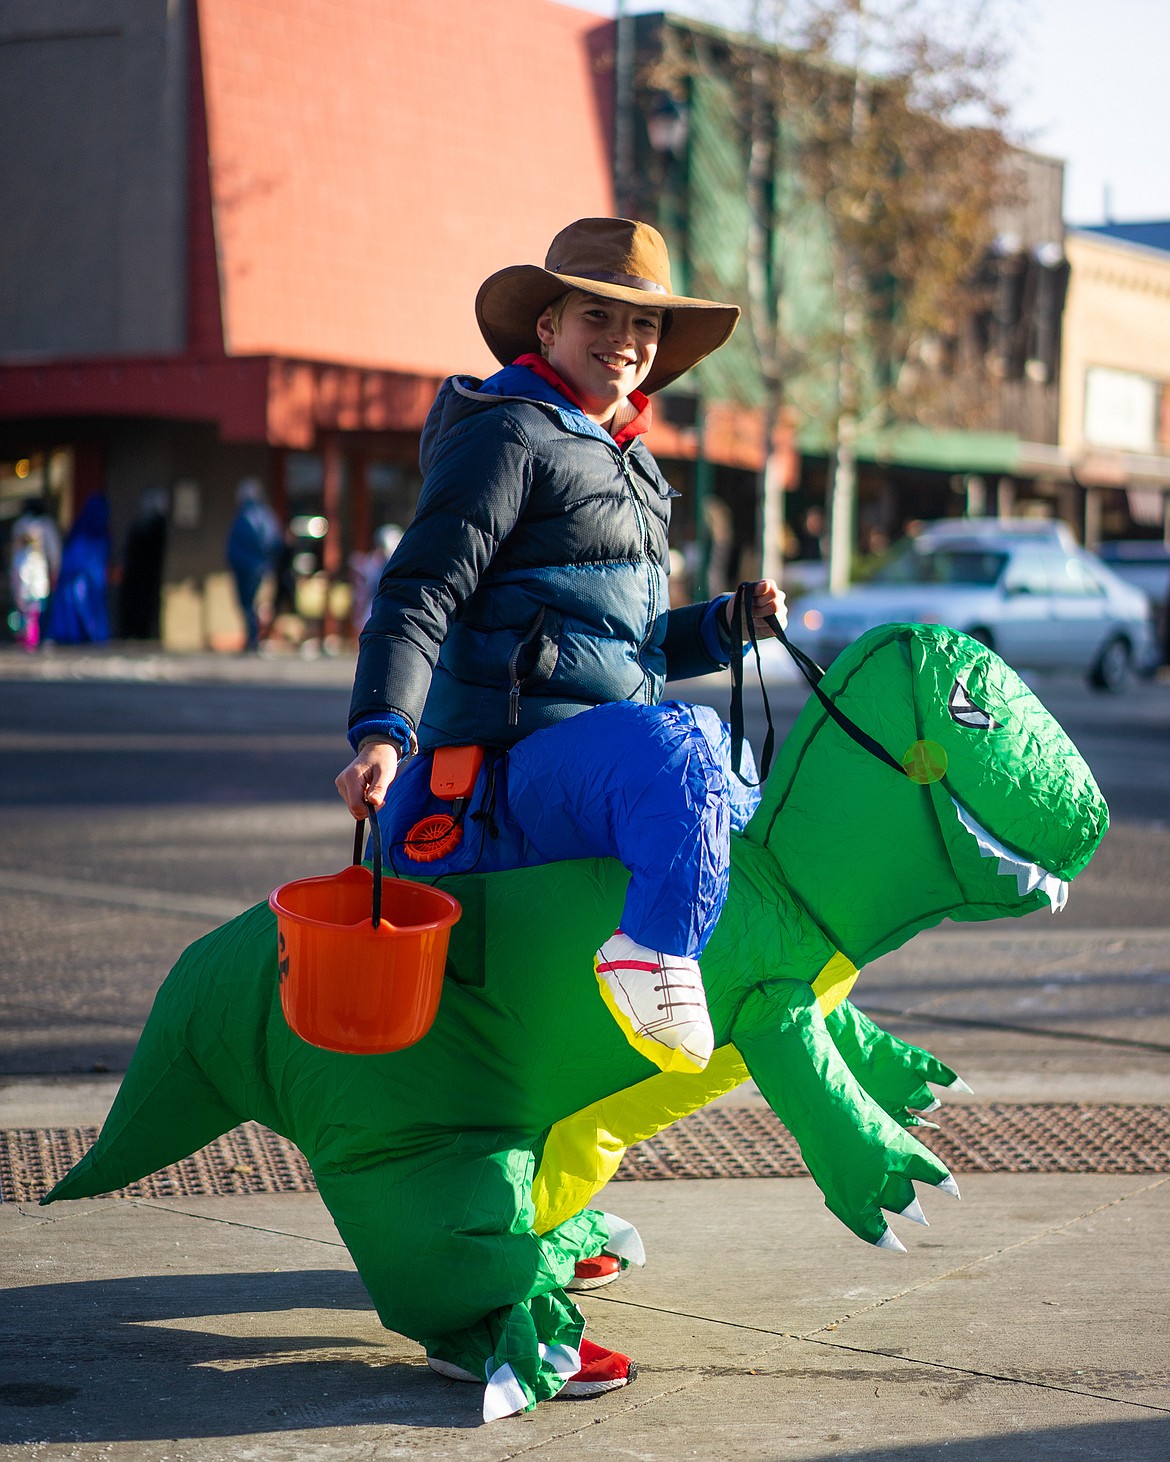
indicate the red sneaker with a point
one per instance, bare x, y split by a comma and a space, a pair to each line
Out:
593, 1273
601, 1370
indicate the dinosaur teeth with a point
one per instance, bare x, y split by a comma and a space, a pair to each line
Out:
1029, 876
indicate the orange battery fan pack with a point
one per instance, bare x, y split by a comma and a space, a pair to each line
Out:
454, 770
453, 773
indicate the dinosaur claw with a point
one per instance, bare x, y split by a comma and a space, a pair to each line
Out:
948, 1185
890, 1240
933, 1107
504, 1395
960, 1085
625, 1242
913, 1211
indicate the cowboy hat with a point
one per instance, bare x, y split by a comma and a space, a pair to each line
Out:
613, 258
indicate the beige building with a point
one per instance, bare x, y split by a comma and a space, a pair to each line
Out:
1115, 383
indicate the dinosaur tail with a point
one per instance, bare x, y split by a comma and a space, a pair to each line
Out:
169, 1104
160, 1115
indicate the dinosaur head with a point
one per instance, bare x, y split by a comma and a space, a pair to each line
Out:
999, 812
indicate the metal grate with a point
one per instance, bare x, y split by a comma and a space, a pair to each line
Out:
250, 1159
721, 1142
748, 1142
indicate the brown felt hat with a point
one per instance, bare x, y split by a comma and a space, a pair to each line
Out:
614, 258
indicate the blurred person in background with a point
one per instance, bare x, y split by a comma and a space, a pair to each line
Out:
78, 613
29, 572
253, 543
366, 570
34, 513
140, 590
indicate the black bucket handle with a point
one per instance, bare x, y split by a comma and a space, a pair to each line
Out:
376, 838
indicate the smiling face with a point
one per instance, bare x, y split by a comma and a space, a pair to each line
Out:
602, 348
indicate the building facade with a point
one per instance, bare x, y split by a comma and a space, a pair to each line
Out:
1115, 387
983, 438
244, 240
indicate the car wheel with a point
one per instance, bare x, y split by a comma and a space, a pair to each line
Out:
1111, 669
984, 636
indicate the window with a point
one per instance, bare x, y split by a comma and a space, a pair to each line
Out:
966, 565
1030, 573
1077, 579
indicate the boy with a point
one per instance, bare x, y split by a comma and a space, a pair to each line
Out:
527, 602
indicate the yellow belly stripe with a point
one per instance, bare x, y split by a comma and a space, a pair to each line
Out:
584, 1150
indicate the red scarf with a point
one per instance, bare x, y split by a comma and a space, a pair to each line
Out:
638, 399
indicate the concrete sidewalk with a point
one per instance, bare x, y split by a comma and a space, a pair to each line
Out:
150, 663
1028, 1321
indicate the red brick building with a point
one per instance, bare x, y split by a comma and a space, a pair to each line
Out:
244, 237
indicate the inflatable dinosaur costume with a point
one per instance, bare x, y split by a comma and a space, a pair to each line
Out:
460, 1172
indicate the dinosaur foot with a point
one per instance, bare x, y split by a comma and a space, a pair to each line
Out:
593, 1273
601, 1371
598, 1371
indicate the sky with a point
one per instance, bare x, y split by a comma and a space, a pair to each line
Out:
1086, 83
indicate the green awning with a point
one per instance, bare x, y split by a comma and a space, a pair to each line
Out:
919, 446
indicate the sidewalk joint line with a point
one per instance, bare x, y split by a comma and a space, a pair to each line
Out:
638, 1402
232, 1222
989, 1255
814, 1337
938, 1365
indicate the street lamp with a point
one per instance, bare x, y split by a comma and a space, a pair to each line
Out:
667, 125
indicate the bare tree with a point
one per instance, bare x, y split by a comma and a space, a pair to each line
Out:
875, 124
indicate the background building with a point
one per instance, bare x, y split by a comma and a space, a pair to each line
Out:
982, 433
1115, 391
245, 239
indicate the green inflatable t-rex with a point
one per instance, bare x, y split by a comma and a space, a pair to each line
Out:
460, 1172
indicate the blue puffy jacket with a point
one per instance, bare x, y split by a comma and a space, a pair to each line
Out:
531, 582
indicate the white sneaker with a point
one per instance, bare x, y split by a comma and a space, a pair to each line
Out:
659, 1002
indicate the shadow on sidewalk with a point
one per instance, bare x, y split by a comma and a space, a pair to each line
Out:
111, 1360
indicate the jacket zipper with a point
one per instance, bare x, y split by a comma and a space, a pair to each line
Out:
514, 669
652, 581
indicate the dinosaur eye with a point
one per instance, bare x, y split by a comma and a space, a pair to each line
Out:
964, 711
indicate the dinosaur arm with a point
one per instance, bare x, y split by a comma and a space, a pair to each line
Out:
861, 1159
893, 1072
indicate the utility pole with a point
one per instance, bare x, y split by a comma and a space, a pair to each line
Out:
764, 311
623, 110
843, 491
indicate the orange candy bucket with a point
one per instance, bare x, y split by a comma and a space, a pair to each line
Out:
362, 958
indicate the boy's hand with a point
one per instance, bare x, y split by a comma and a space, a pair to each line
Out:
365, 782
767, 599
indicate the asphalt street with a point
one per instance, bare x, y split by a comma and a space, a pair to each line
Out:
144, 801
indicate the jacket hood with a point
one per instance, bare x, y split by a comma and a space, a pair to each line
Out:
463, 396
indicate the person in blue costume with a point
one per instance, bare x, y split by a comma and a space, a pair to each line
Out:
254, 539
526, 610
78, 613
